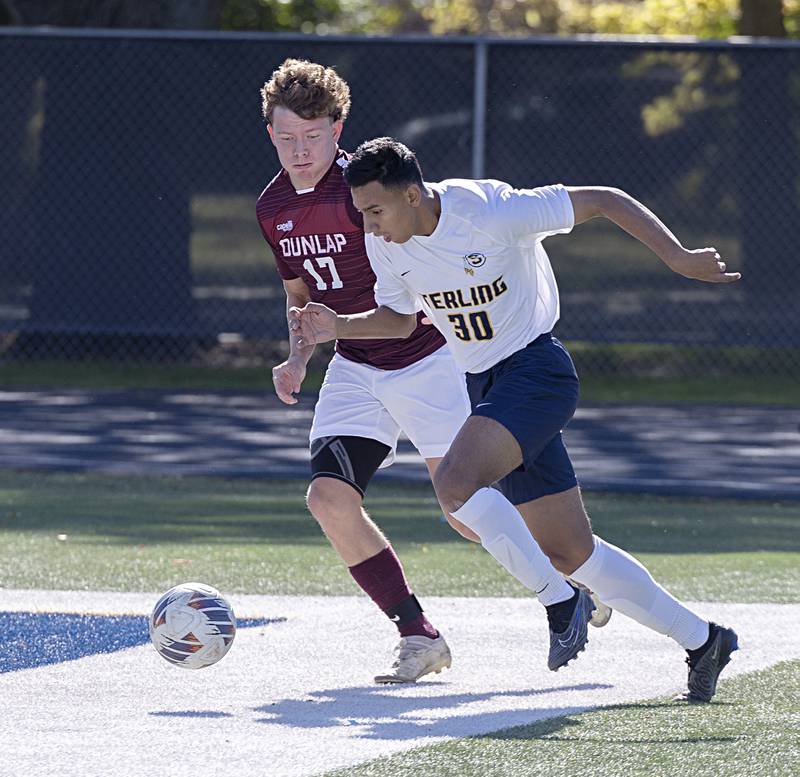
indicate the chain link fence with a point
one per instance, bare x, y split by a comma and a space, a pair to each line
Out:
130, 164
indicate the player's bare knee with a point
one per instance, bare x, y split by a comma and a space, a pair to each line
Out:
463, 529
454, 499
450, 489
328, 502
566, 559
561, 561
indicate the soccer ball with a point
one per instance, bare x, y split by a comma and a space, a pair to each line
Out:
192, 626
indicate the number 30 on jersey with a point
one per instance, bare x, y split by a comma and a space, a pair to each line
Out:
474, 326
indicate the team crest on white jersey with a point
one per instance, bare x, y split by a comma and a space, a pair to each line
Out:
287, 226
471, 261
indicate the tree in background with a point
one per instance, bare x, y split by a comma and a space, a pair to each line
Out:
713, 18
746, 97
707, 19
309, 16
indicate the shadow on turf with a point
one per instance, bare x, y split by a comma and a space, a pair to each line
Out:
388, 712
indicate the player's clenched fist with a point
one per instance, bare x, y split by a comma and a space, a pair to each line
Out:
702, 264
313, 323
287, 379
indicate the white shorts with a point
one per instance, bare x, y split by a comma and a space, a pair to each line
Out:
427, 400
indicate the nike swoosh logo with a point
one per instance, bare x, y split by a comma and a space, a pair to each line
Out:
486, 404
405, 273
395, 618
570, 638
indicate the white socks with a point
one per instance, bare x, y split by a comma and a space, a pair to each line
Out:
505, 535
617, 578
623, 583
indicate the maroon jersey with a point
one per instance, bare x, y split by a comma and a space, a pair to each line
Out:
318, 235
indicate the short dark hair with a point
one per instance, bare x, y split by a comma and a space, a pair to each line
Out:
384, 160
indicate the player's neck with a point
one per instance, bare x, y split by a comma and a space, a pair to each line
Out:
430, 210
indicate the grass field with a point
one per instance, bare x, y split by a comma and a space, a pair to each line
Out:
146, 534
753, 733
770, 389
143, 534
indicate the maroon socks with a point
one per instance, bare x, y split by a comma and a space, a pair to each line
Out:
382, 578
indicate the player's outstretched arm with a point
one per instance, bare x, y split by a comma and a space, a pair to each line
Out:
702, 264
315, 323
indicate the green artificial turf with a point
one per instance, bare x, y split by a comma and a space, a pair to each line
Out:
126, 534
751, 732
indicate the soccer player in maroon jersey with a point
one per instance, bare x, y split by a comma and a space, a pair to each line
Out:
372, 388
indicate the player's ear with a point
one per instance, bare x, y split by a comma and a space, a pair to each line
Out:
413, 195
271, 134
338, 126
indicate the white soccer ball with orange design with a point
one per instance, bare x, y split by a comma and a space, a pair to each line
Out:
192, 626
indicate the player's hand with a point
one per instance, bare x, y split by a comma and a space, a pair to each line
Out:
287, 379
702, 264
312, 324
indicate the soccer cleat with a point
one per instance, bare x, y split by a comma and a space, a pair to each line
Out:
704, 670
564, 646
416, 656
602, 612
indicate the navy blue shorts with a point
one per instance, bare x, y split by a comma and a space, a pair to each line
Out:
533, 393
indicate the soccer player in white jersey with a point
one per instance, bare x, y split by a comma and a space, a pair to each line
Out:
469, 254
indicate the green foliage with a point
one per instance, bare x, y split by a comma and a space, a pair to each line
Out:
280, 15
708, 19
384, 16
706, 83
791, 18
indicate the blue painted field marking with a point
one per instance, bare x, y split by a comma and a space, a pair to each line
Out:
30, 639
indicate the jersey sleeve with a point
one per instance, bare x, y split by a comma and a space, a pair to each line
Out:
390, 290
540, 212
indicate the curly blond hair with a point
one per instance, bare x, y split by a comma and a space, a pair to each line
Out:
307, 89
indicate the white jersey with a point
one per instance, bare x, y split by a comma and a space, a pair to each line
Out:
482, 277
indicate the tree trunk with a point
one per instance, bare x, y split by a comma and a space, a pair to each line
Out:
761, 18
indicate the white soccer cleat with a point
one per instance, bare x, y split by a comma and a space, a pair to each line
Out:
416, 656
602, 612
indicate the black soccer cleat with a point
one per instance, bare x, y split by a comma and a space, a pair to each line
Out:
704, 670
565, 645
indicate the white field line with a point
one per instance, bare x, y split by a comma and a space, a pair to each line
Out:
296, 698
